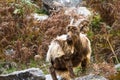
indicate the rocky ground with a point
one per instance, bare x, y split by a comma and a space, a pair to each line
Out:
37, 74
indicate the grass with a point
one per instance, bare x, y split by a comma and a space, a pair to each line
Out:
11, 70
36, 64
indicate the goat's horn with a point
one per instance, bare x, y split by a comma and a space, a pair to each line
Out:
71, 22
78, 22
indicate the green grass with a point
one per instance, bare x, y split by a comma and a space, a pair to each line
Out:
36, 64
11, 70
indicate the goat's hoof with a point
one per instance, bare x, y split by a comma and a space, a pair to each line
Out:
72, 76
63, 79
84, 70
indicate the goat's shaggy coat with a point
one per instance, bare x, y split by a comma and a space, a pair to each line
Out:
58, 48
63, 55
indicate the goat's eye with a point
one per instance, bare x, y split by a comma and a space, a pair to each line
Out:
68, 27
74, 28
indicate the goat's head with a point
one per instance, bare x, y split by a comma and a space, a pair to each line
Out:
72, 34
73, 30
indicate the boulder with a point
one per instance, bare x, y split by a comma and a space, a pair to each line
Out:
48, 77
65, 3
87, 77
83, 11
39, 17
117, 66
28, 74
49, 5
91, 77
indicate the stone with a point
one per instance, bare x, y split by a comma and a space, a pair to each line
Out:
9, 52
49, 5
79, 11
48, 77
39, 17
84, 11
28, 74
65, 3
117, 67
88, 77
91, 77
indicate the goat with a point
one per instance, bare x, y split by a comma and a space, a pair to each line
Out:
68, 51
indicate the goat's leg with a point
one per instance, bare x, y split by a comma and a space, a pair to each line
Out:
52, 72
84, 65
69, 67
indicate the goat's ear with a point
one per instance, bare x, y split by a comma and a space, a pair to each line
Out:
71, 23
83, 25
67, 28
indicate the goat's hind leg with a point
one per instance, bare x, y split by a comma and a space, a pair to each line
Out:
84, 64
52, 72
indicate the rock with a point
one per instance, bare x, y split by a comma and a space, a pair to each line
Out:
9, 52
84, 11
117, 66
79, 11
88, 77
65, 3
6, 65
48, 77
39, 17
28, 74
50, 5
38, 57
91, 77
69, 3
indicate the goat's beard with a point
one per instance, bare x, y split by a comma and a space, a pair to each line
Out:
69, 42
74, 40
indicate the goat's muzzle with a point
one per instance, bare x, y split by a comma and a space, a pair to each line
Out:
69, 40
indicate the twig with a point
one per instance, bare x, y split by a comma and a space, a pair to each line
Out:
112, 49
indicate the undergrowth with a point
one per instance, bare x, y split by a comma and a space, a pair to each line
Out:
23, 37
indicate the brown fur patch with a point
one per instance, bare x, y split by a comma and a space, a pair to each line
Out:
82, 52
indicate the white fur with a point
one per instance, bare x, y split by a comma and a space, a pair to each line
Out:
55, 50
62, 37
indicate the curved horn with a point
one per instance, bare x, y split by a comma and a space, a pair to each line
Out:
71, 22
78, 22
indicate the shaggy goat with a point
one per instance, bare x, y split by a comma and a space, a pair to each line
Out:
68, 51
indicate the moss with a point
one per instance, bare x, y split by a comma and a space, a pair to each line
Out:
95, 23
41, 11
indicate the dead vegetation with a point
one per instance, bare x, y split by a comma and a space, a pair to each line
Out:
17, 31
106, 26
55, 25
27, 37
109, 11
104, 69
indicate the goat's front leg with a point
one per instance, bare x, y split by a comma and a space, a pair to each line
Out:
52, 72
69, 67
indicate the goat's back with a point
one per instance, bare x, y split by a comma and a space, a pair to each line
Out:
58, 48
